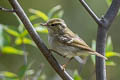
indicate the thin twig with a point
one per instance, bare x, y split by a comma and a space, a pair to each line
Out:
34, 35
25, 58
6, 10
24, 54
93, 15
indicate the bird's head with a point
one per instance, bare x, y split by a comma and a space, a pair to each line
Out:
55, 25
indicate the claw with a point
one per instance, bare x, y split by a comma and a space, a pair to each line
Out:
63, 67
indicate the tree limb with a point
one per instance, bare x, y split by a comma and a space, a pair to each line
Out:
111, 13
101, 38
34, 35
103, 26
100, 47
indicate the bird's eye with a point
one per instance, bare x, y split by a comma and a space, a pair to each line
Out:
53, 24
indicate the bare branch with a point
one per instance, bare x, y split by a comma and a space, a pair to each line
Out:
6, 10
89, 10
100, 47
101, 38
103, 26
34, 35
112, 12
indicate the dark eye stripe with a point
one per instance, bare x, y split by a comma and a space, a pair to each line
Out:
54, 24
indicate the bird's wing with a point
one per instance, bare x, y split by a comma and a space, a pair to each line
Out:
74, 41
78, 43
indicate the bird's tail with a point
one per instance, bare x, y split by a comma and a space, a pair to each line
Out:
99, 55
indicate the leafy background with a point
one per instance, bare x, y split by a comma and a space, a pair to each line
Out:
16, 46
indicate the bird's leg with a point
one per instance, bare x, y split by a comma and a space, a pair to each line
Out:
57, 53
65, 65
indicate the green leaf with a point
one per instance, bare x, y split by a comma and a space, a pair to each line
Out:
76, 75
39, 13
53, 10
36, 25
27, 41
24, 40
11, 50
8, 74
33, 17
41, 29
108, 2
12, 32
24, 33
110, 63
59, 14
10, 78
94, 45
109, 46
18, 41
93, 58
94, 48
111, 54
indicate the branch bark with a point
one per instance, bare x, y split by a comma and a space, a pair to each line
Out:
34, 35
101, 38
103, 26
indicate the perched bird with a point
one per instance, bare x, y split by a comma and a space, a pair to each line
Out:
66, 43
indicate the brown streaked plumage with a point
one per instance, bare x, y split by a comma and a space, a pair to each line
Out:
64, 41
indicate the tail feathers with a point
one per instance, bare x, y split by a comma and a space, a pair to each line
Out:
99, 55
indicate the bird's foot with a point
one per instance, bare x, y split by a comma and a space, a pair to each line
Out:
63, 67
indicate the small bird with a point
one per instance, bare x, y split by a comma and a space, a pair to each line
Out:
66, 43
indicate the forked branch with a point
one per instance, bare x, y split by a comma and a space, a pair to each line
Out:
103, 27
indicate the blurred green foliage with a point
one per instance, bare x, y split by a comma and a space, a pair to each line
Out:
21, 37
55, 12
23, 71
108, 2
76, 76
108, 53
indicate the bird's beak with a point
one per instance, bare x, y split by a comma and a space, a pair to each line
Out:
44, 24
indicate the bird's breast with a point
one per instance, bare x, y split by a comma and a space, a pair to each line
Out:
63, 49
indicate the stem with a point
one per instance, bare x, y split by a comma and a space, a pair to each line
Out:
25, 55
25, 58
101, 38
34, 35
6, 10
112, 12
100, 47
89, 10
103, 26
